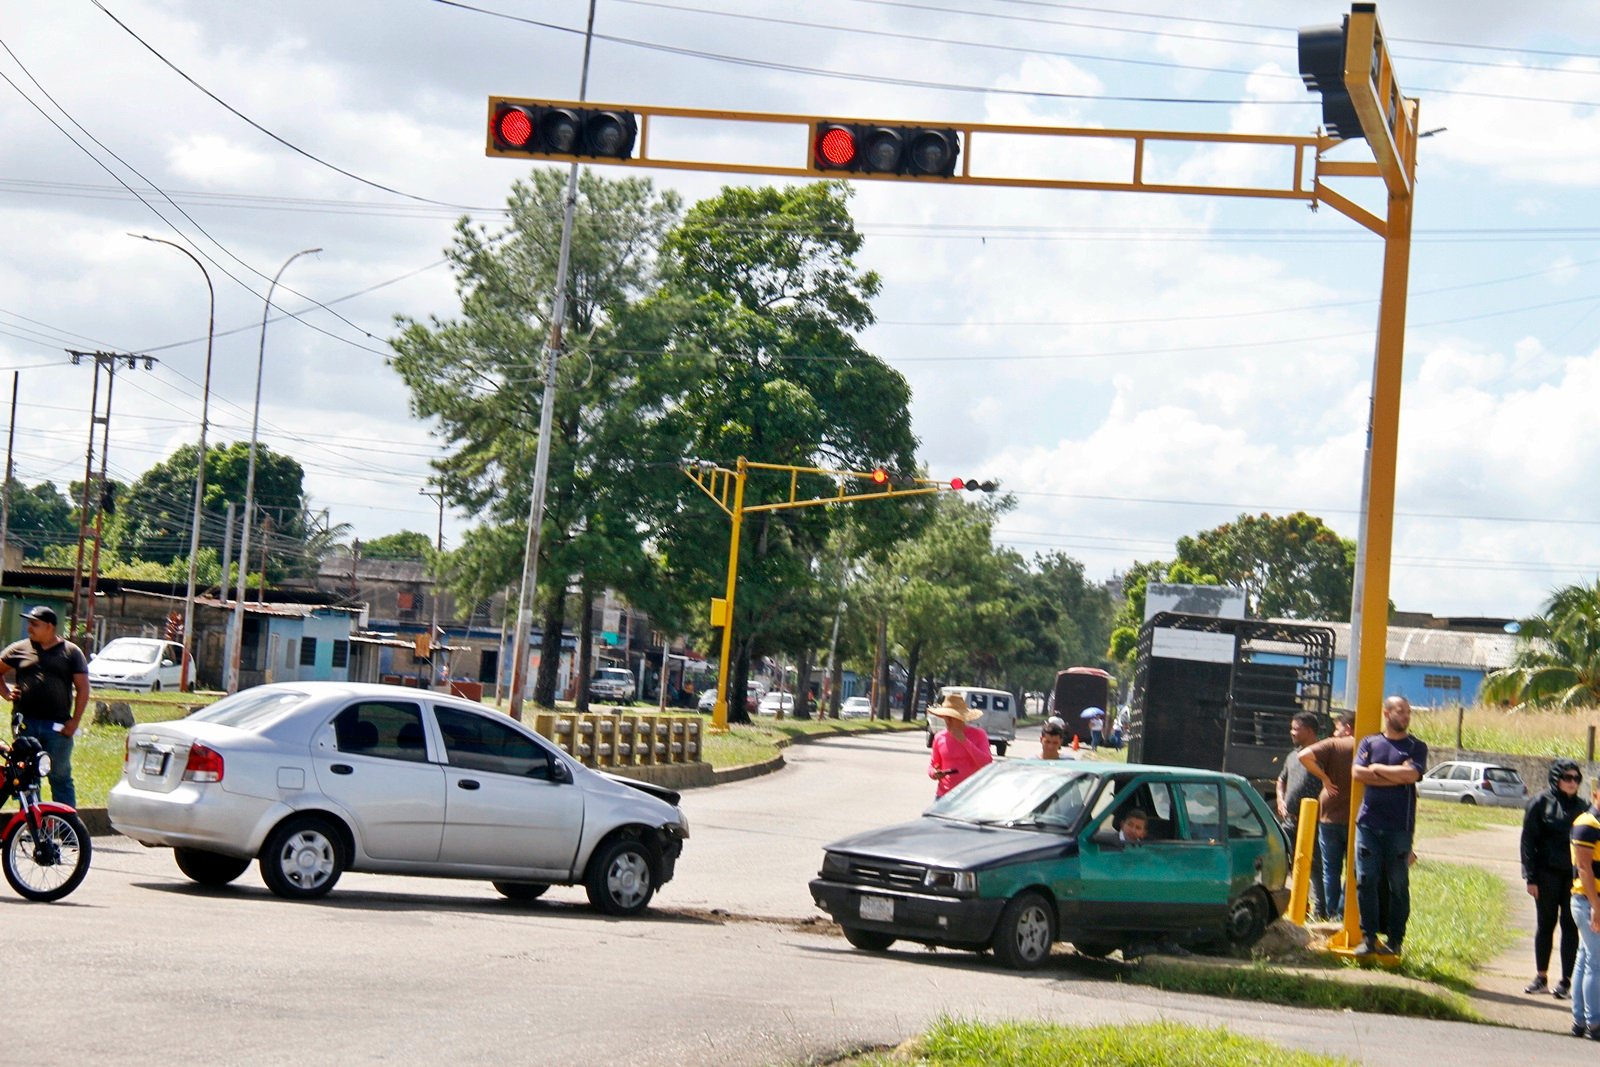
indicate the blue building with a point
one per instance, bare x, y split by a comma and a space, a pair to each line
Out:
1428, 665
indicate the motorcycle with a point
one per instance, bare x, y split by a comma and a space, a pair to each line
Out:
45, 847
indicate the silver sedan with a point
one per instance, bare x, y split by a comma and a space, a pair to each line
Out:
312, 779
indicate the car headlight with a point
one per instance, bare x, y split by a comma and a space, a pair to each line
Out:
951, 881
834, 865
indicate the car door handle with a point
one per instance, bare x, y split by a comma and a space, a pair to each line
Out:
342, 768
467, 783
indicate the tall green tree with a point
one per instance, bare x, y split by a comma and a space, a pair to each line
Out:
1290, 566
407, 544
153, 515
764, 299
1558, 659
40, 516
616, 427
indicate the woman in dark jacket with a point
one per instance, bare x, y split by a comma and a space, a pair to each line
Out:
1547, 869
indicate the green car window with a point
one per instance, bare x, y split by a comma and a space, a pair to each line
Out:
1202, 810
1243, 822
1020, 793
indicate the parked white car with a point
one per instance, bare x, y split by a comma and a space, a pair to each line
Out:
774, 702
1465, 782
856, 708
144, 664
313, 779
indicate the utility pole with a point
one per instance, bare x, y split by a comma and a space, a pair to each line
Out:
81, 588
5, 491
438, 548
541, 462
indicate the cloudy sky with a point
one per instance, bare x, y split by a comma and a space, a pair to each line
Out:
1133, 367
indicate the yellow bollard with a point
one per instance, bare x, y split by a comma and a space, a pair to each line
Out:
1305, 842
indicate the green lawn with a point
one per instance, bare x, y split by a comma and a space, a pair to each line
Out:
961, 1043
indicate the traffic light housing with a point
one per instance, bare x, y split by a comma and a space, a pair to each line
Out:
1322, 66
972, 485
867, 148
526, 128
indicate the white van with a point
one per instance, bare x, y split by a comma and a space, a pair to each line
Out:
999, 714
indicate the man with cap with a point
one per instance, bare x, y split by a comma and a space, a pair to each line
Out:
959, 750
47, 680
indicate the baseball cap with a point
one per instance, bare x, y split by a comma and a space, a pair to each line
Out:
43, 614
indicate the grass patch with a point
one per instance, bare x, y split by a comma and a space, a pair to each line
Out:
1261, 981
1460, 919
1438, 819
759, 741
1523, 733
962, 1043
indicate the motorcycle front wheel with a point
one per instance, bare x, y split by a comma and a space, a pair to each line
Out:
53, 864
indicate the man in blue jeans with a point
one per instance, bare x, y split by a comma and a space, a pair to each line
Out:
1388, 764
47, 680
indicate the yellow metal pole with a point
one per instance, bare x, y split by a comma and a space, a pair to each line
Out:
1379, 530
719, 713
1305, 842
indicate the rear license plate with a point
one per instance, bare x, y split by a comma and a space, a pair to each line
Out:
155, 763
877, 909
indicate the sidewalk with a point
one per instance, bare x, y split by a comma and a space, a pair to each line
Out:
1498, 995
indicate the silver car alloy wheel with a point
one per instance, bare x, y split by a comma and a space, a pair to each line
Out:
628, 879
307, 859
1033, 933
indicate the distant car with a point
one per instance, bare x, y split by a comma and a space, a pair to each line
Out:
611, 683
145, 664
752, 700
774, 702
1475, 783
1028, 852
313, 779
708, 700
856, 708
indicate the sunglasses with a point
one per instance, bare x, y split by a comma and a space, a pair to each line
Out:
1572, 777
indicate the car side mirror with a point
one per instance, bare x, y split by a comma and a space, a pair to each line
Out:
560, 772
1109, 840
169, 663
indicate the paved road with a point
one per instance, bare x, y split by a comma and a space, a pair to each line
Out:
140, 967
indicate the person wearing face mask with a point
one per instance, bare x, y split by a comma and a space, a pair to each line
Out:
1547, 871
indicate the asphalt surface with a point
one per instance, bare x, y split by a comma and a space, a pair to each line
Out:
140, 966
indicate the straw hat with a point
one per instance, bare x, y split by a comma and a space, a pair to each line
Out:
954, 706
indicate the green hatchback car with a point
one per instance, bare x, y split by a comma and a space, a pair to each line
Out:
1030, 852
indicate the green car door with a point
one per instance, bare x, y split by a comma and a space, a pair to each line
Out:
1177, 879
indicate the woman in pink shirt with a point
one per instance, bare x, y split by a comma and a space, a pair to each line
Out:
959, 750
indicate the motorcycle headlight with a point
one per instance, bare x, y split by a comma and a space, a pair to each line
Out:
44, 764
951, 881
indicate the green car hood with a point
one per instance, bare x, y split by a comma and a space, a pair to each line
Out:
931, 842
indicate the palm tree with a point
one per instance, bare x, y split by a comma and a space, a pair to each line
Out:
1558, 664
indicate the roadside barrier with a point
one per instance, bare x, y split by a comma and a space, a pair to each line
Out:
619, 739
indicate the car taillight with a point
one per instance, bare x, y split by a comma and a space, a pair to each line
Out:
203, 765
1486, 785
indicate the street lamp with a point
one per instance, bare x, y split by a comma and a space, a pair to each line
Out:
200, 475
236, 635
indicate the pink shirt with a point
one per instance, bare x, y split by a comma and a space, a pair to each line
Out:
965, 755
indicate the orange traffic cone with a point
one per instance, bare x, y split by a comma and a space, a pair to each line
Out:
1075, 744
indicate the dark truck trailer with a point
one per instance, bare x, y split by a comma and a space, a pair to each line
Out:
1218, 694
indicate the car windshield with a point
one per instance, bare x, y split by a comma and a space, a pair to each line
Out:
252, 709
613, 676
1020, 793
125, 651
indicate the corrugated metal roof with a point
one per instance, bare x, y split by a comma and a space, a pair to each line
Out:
284, 611
1441, 648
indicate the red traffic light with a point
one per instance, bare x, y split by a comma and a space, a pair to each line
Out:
880, 476
836, 147
517, 128
868, 149
972, 485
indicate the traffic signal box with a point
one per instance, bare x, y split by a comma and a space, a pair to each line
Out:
548, 131
1349, 65
864, 148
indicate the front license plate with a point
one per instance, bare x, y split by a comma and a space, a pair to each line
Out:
877, 909
155, 763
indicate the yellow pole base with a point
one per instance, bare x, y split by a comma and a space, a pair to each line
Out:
1343, 945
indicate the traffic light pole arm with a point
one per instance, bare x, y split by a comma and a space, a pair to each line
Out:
979, 149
